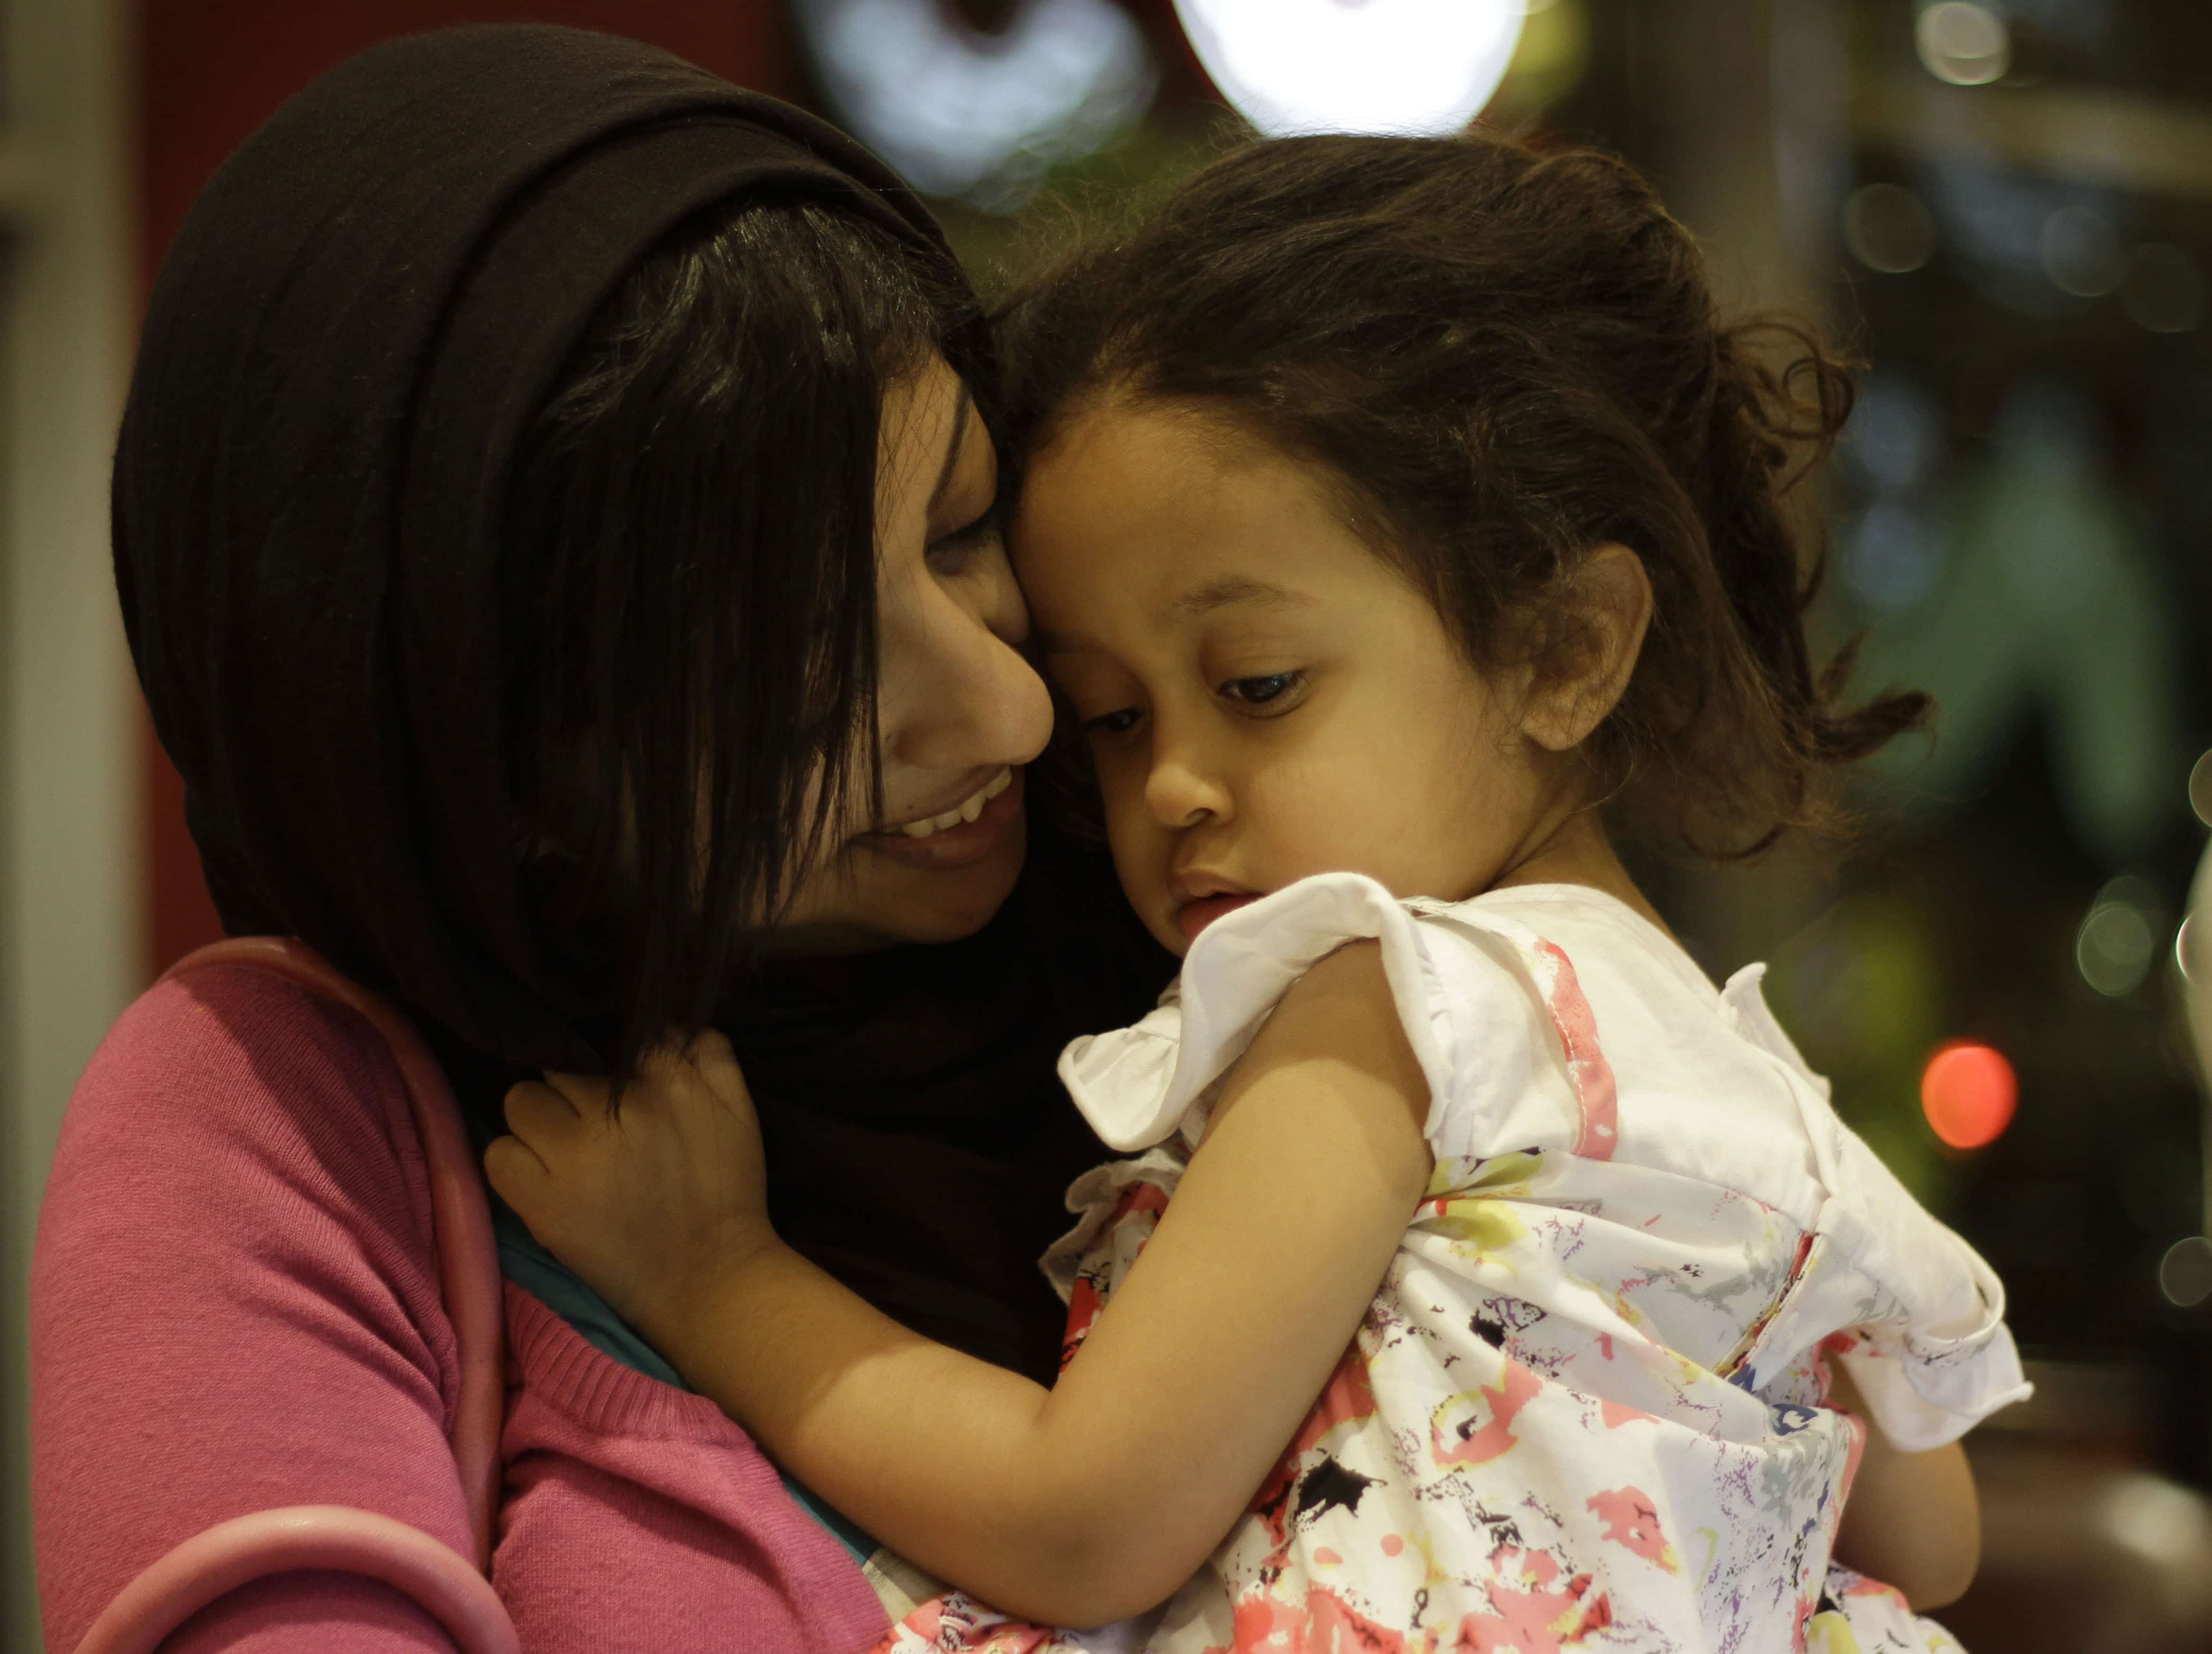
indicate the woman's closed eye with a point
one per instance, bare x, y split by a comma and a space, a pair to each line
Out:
949, 553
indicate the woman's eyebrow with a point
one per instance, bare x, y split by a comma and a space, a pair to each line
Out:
960, 413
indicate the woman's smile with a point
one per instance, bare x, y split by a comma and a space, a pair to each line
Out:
971, 837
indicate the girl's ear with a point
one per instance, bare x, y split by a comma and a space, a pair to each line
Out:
1604, 607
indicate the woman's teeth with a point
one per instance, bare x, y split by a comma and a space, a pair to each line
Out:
967, 809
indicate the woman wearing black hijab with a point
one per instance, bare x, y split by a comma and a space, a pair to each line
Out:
554, 519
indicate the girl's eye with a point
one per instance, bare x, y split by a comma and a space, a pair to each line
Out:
1261, 691
1120, 722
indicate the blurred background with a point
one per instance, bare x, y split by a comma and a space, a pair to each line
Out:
2005, 206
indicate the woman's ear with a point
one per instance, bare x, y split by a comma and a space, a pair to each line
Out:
1603, 608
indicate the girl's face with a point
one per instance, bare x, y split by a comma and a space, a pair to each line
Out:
958, 709
1264, 697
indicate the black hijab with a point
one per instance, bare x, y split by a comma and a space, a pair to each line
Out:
355, 325
357, 321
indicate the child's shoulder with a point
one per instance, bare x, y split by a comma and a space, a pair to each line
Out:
1594, 929
1703, 1080
1646, 994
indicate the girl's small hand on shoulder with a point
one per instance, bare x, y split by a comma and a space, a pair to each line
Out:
649, 1203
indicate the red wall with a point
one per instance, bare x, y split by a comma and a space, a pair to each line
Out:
211, 71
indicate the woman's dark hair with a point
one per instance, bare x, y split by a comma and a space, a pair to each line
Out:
689, 550
1506, 358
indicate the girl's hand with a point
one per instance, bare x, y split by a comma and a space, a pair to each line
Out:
652, 1205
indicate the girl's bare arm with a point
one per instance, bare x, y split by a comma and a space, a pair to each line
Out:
1075, 1505
1912, 1520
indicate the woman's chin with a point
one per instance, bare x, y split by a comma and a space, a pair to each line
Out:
945, 905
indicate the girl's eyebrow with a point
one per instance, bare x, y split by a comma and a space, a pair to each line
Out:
1232, 589
1224, 593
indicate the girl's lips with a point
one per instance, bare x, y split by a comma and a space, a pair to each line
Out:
1192, 917
950, 848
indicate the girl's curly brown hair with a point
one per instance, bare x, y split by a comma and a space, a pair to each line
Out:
1505, 357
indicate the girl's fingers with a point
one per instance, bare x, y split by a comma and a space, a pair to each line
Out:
718, 1066
663, 1067
515, 1173
541, 1116
585, 1094
713, 1045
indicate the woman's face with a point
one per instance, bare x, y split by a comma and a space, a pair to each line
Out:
958, 712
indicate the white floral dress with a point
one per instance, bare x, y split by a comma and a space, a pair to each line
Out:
1583, 1412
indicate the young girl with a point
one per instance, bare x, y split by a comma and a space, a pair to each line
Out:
1397, 523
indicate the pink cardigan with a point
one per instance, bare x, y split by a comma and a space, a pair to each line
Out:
235, 1305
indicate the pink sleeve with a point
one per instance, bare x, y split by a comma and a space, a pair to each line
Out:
235, 1306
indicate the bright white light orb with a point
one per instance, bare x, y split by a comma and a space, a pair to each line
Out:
1963, 43
1355, 65
961, 113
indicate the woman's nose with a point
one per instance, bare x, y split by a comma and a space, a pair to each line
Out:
968, 698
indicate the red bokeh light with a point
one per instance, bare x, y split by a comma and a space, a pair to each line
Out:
1968, 1091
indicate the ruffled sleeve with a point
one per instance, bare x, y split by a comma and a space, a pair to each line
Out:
1136, 1086
1936, 1358
1929, 1379
1471, 995
1926, 1345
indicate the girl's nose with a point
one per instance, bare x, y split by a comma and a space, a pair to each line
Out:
966, 698
1181, 791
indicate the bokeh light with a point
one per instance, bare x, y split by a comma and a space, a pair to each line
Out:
1964, 44
961, 113
1894, 556
2184, 1273
2153, 1519
2082, 253
2164, 291
2192, 953
1377, 66
2114, 947
1968, 1092
1896, 432
1888, 229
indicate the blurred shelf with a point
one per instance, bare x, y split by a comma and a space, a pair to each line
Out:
2148, 145
2110, 1406
19, 176
2084, 1554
